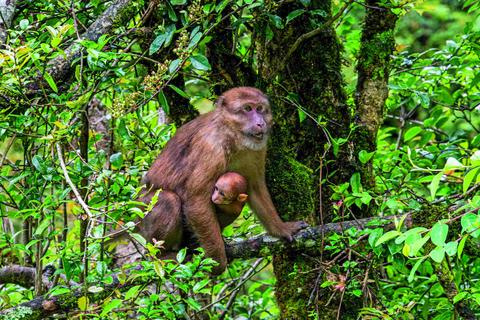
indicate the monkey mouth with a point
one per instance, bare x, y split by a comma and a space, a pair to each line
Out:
257, 136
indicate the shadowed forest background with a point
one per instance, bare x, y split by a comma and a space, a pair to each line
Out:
376, 106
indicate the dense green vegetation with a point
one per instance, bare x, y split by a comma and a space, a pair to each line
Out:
91, 91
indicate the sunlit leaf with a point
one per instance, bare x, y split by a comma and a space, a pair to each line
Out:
437, 254
439, 233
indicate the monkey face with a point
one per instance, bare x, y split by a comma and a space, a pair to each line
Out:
248, 112
219, 196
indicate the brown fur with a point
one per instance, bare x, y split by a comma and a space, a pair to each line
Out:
226, 139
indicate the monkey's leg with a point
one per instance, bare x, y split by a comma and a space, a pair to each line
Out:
164, 222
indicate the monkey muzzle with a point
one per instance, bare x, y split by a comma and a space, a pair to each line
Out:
258, 135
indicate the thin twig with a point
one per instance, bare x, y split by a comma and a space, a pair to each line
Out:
70, 183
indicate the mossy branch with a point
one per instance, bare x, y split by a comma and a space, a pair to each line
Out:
263, 245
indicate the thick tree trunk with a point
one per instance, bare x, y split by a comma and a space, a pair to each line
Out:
305, 82
373, 69
300, 69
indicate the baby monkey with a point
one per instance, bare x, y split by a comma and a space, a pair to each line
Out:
229, 196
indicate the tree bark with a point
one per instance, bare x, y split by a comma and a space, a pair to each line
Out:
306, 83
377, 45
7, 11
300, 69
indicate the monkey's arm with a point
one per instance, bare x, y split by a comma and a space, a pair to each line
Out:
201, 218
261, 203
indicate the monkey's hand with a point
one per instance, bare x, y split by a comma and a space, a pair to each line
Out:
290, 228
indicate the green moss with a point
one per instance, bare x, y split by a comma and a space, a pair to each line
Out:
294, 299
376, 53
290, 184
125, 14
20, 313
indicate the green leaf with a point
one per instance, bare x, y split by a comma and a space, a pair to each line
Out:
406, 234
56, 291
460, 296
199, 285
38, 163
195, 38
276, 21
294, 14
357, 292
417, 245
461, 245
24, 23
50, 81
434, 185
451, 248
158, 267
467, 181
181, 255
162, 39
132, 292
113, 304
439, 233
116, 160
162, 99
200, 62
388, 236
179, 91
82, 303
355, 182
475, 158
374, 235
301, 115
437, 254
468, 222
174, 65
366, 198
194, 304
414, 269
365, 156
178, 2
412, 133
43, 225
157, 43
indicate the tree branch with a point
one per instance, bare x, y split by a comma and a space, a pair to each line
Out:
264, 245
60, 66
260, 246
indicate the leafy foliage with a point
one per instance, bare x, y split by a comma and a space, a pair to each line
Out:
156, 64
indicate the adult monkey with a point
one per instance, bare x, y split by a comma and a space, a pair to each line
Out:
233, 137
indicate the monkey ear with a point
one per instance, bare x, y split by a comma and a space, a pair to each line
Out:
219, 102
242, 197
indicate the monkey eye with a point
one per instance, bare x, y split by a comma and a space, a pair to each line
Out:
247, 108
260, 109
222, 194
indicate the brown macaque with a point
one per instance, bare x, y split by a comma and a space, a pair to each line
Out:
229, 196
233, 137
